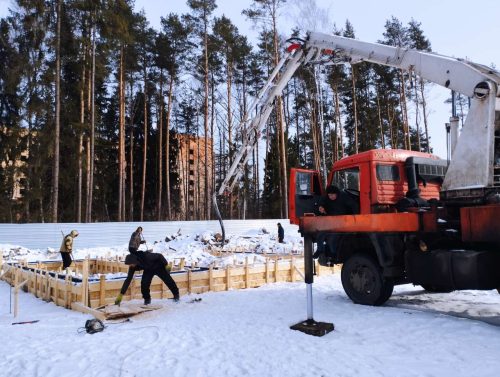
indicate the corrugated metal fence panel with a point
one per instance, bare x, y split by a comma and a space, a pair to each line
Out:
41, 236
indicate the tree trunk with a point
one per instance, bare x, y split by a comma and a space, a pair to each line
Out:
280, 127
92, 131
339, 121
205, 123
212, 150
402, 98
55, 173
321, 130
380, 122
229, 133
417, 112
87, 180
167, 147
424, 112
131, 154
80, 147
145, 148
87, 168
160, 149
121, 142
355, 111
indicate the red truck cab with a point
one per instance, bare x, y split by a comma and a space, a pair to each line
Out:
376, 178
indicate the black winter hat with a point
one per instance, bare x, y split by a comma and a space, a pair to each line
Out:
332, 190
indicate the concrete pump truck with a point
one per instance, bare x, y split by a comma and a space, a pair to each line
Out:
422, 220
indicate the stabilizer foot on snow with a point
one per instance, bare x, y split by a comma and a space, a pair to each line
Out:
311, 327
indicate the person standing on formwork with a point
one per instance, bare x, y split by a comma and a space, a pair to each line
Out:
67, 248
135, 241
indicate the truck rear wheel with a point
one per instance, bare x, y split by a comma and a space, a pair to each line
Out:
363, 281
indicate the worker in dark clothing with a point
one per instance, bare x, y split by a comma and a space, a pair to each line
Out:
152, 264
67, 248
281, 233
335, 203
136, 240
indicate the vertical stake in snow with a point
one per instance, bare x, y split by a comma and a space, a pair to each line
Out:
85, 281
102, 290
310, 326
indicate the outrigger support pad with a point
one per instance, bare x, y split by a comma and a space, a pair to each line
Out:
310, 326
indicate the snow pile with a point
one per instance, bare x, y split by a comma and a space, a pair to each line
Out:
196, 248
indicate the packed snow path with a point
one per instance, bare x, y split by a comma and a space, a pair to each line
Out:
246, 333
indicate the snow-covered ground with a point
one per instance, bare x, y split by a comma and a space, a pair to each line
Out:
246, 333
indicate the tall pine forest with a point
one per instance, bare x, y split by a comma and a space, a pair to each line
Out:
95, 102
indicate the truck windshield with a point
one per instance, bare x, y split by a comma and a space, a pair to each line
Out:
347, 179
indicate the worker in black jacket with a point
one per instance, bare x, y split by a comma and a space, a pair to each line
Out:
335, 203
281, 233
136, 240
152, 264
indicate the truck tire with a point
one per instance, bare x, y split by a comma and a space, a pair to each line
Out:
364, 282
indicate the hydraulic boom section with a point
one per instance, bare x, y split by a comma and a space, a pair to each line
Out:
252, 127
474, 170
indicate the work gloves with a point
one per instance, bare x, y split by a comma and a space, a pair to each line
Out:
143, 241
168, 268
119, 299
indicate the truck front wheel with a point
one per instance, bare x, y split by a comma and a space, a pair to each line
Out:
363, 281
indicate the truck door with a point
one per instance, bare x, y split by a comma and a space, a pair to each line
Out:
305, 190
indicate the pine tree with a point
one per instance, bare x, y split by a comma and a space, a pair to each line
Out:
173, 45
266, 12
202, 10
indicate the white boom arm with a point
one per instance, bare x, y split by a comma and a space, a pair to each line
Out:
473, 157
472, 163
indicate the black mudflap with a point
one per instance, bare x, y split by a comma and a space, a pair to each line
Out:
454, 269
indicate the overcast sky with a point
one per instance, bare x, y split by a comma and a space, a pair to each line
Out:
464, 29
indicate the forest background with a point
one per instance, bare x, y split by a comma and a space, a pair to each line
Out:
93, 96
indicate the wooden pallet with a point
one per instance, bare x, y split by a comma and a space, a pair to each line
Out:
108, 312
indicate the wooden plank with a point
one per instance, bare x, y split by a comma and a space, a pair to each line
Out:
276, 269
79, 307
68, 295
299, 272
210, 277
267, 270
102, 290
214, 279
16, 292
247, 279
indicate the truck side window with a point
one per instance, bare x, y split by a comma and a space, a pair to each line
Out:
307, 184
347, 179
387, 172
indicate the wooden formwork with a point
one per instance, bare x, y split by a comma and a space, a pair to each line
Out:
45, 282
